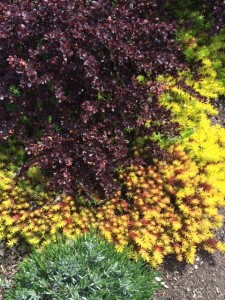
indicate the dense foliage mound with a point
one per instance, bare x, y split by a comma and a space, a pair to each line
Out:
68, 84
85, 268
106, 108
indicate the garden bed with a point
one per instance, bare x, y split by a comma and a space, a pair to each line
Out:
108, 120
180, 281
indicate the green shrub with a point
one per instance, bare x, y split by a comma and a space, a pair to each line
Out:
85, 268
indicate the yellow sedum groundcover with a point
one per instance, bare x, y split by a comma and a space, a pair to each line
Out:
168, 208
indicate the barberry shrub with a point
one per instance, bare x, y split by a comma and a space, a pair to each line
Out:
85, 268
68, 85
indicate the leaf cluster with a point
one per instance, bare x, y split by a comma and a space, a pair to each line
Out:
85, 268
68, 85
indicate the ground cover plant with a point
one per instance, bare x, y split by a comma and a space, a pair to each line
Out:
113, 124
85, 268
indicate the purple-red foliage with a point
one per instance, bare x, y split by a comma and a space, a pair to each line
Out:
68, 84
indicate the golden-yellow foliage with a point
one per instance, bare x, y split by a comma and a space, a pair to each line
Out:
171, 207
